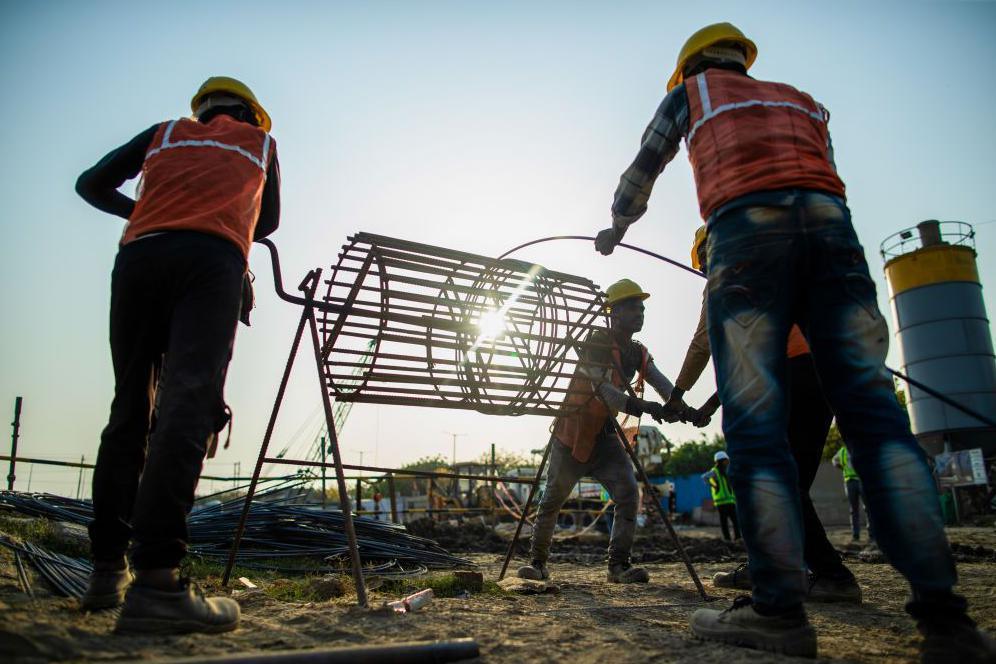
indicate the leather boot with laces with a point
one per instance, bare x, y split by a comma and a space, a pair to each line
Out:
626, 573
824, 588
741, 625
960, 642
534, 571
149, 610
107, 585
738, 578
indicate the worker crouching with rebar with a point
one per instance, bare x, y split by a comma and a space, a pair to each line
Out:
585, 443
210, 186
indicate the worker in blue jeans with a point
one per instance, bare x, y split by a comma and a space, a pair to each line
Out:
782, 251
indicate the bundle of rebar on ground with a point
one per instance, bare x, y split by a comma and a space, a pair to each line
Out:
282, 535
68, 576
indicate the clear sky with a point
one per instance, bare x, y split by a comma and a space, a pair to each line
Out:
471, 125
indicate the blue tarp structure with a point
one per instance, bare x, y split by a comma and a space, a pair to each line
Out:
690, 490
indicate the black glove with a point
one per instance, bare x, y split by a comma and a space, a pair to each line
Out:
656, 411
675, 409
698, 417
606, 241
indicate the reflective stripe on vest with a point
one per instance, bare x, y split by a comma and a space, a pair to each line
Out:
167, 145
747, 136
709, 112
719, 485
208, 178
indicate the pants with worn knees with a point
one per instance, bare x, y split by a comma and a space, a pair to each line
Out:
778, 258
177, 294
610, 465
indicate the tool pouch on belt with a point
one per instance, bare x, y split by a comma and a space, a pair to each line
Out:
248, 298
224, 417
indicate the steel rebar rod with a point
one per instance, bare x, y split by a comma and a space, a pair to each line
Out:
240, 529
525, 509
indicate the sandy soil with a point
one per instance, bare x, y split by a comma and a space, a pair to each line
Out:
588, 620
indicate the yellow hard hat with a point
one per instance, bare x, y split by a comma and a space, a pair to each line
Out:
233, 87
703, 39
624, 289
700, 237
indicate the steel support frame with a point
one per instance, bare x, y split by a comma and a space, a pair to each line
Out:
649, 488
308, 286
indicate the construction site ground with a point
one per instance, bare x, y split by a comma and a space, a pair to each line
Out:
586, 620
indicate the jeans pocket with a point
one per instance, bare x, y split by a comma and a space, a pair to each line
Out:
847, 259
861, 289
742, 304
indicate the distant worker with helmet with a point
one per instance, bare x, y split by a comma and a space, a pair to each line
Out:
210, 185
722, 495
809, 419
585, 444
782, 251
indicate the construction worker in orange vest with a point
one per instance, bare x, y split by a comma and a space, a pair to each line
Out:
585, 443
782, 251
210, 186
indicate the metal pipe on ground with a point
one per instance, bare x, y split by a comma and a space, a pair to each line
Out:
396, 653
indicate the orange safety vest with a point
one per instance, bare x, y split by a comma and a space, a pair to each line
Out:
203, 177
747, 136
579, 429
797, 344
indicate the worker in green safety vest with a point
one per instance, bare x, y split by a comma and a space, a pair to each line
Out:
722, 495
855, 494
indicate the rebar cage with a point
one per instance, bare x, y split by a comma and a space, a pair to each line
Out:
427, 326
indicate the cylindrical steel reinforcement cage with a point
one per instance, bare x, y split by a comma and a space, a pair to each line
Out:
943, 332
418, 325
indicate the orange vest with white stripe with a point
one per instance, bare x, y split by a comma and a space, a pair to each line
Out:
579, 429
746, 136
207, 178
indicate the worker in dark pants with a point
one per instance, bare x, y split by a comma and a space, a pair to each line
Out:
782, 251
210, 186
855, 495
809, 418
722, 495
584, 442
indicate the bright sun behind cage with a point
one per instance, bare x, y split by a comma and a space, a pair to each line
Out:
491, 325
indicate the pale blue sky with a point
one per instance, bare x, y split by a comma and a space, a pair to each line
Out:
471, 125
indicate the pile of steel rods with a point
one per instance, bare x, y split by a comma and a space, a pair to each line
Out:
68, 576
278, 530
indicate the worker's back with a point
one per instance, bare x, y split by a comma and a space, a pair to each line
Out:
203, 177
747, 135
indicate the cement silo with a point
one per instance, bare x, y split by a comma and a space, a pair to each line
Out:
943, 333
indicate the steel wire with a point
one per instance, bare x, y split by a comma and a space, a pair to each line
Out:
279, 527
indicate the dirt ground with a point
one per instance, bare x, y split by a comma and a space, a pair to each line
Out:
588, 620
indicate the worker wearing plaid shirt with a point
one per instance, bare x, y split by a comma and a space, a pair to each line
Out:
781, 251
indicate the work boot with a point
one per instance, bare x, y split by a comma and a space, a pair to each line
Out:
534, 571
107, 585
959, 642
834, 589
149, 610
741, 625
626, 573
738, 578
